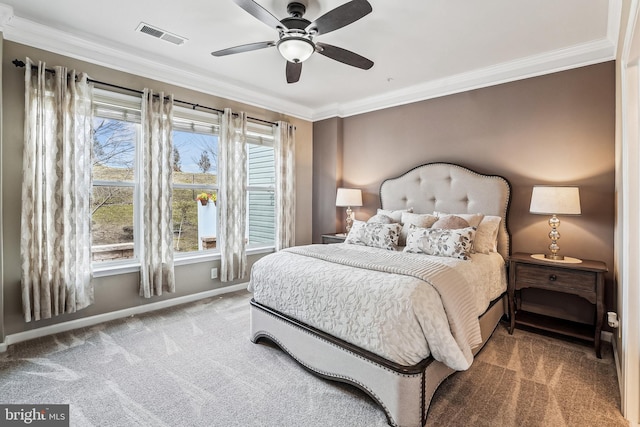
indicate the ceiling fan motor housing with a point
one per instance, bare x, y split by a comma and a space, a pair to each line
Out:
296, 21
296, 9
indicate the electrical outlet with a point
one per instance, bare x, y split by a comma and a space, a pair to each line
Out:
214, 273
612, 319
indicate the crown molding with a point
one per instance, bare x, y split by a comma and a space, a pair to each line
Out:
140, 63
549, 62
532, 66
6, 14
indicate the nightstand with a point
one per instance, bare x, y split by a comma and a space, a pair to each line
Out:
585, 280
333, 238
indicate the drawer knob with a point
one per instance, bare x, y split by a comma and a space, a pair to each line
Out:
553, 277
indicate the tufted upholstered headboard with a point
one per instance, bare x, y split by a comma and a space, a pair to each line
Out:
450, 188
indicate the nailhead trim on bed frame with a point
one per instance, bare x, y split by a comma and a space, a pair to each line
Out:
346, 379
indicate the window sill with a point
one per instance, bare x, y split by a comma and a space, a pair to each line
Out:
133, 266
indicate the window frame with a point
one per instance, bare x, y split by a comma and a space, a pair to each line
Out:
118, 106
198, 122
257, 133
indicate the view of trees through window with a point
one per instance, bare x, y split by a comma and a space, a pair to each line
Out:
195, 172
114, 143
195, 162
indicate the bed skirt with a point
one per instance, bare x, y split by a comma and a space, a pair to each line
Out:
403, 392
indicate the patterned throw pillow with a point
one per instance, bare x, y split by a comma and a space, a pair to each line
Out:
376, 235
419, 220
441, 242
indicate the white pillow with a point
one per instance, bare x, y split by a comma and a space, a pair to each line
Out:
374, 234
441, 242
419, 220
487, 235
394, 215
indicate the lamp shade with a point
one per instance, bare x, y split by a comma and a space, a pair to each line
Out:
550, 200
295, 49
349, 197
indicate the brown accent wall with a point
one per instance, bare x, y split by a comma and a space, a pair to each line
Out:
120, 291
327, 172
553, 129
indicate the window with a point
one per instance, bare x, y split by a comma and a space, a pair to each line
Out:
116, 130
195, 140
261, 213
195, 158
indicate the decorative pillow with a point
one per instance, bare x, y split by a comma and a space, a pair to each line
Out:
487, 235
451, 222
396, 215
473, 219
356, 225
376, 235
419, 220
441, 242
381, 219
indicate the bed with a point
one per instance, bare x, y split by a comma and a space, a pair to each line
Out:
392, 323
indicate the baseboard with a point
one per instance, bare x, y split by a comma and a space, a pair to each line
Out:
618, 362
101, 318
609, 337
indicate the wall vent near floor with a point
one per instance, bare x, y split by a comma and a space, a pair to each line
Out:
160, 34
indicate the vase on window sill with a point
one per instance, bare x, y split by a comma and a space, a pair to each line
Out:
204, 202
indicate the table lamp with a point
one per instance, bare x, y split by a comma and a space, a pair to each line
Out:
551, 200
349, 197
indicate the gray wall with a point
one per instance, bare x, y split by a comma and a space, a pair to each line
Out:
121, 291
553, 129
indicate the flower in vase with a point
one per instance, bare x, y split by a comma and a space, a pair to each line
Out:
204, 198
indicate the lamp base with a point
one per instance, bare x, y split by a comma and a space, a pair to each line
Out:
554, 257
349, 220
564, 259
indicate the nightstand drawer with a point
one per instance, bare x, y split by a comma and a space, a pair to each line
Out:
555, 278
333, 238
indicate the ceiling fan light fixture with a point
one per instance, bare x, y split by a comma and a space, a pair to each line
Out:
296, 49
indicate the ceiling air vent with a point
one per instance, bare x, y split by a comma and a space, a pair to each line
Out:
160, 34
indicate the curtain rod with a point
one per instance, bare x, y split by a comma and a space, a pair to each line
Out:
21, 64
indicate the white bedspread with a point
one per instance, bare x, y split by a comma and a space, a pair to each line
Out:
392, 304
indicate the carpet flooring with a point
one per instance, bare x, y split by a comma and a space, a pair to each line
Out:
193, 365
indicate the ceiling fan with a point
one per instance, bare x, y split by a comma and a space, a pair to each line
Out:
295, 34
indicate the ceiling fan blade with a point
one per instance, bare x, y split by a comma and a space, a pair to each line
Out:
243, 48
344, 56
260, 13
293, 71
340, 16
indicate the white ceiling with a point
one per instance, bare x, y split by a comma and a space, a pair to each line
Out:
421, 49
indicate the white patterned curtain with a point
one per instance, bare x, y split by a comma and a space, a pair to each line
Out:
155, 163
232, 195
55, 241
285, 185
